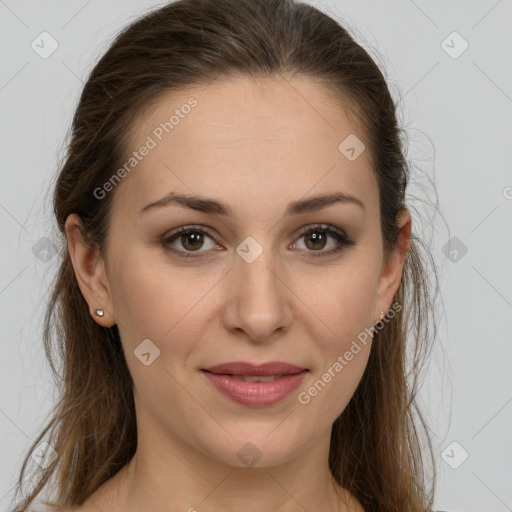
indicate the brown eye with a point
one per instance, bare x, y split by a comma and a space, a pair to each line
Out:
317, 237
191, 239
315, 240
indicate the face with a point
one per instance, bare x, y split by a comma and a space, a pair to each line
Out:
203, 286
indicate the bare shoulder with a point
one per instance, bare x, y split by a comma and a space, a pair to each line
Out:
67, 508
88, 506
111, 496
43, 506
76, 508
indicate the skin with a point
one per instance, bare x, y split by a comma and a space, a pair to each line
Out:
256, 146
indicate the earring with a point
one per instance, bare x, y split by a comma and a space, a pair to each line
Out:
98, 312
381, 313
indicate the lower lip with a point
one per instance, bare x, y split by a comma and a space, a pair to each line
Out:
256, 393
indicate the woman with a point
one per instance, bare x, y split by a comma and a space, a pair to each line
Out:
240, 274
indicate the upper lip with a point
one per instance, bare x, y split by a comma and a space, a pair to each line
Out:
244, 368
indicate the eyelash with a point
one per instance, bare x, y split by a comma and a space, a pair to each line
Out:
340, 236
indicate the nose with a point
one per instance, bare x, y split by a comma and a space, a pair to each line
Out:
259, 300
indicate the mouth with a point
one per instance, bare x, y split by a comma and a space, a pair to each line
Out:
256, 386
255, 378
242, 368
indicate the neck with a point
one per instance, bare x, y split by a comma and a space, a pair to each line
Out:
193, 482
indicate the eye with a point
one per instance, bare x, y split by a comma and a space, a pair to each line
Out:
316, 239
191, 238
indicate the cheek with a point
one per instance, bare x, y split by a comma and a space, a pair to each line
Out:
150, 300
344, 360
345, 306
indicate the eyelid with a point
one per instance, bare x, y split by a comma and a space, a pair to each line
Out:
321, 227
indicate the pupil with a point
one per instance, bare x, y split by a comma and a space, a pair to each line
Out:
317, 239
195, 238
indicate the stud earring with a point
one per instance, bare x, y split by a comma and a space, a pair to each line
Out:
381, 313
98, 312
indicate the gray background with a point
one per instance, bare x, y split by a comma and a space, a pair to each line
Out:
457, 109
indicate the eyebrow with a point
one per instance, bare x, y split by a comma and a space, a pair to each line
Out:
212, 206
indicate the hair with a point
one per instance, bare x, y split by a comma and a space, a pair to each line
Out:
376, 449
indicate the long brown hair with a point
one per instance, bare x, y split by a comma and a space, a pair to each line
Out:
376, 443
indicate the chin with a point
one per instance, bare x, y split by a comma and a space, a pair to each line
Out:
258, 451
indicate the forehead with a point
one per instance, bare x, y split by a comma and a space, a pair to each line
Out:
259, 107
248, 137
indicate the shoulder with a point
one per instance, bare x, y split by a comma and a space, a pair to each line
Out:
111, 496
43, 506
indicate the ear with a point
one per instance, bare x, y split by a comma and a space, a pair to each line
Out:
392, 268
90, 271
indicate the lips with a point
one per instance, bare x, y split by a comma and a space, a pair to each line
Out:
249, 369
252, 385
